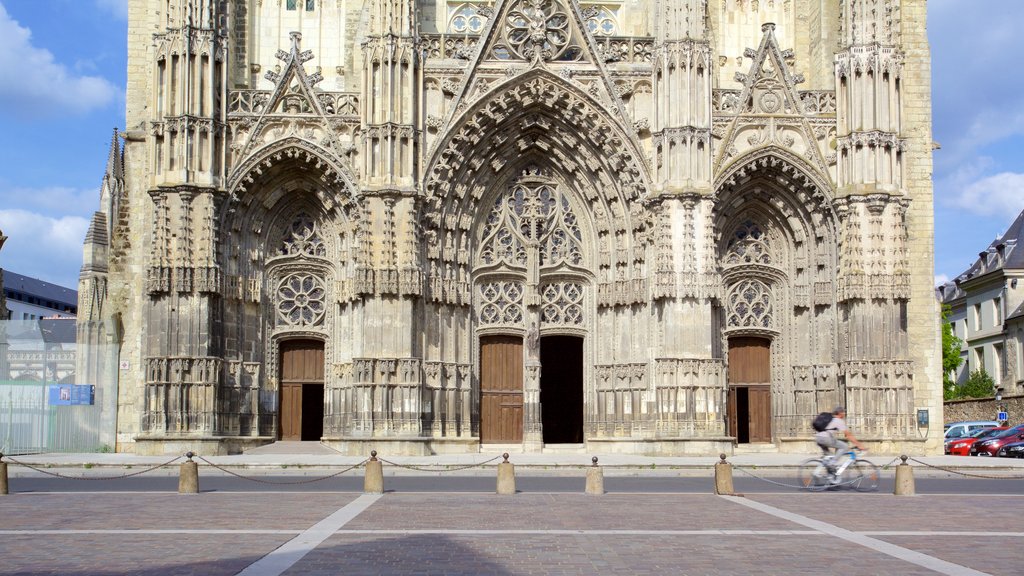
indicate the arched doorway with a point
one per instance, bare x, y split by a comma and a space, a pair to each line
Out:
302, 390
750, 398
561, 389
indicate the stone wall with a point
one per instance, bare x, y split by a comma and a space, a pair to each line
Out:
985, 409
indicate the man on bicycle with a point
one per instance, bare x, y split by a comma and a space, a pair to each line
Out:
829, 437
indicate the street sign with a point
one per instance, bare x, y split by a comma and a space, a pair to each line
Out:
1002, 416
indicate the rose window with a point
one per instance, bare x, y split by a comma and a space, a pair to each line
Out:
300, 300
539, 29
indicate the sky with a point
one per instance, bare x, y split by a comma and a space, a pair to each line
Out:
62, 78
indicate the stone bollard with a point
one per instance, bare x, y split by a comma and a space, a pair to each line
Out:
904, 479
3, 475
506, 477
595, 478
188, 478
723, 477
373, 482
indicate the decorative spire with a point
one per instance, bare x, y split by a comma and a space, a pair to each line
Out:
115, 159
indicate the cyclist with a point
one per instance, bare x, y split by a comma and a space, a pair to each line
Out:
828, 438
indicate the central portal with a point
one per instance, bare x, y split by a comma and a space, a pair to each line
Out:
561, 389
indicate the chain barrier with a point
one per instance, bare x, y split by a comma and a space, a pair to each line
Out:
889, 465
968, 474
265, 481
797, 486
763, 479
439, 467
66, 477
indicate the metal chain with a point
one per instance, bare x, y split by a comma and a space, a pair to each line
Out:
439, 467
763, 479
797, 486
887, 466
127, 475
264, 481
951, 471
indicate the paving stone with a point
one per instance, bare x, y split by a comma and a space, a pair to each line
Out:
561, 512
167, 511
139, 555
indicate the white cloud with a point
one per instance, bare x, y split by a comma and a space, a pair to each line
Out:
33, 84
999, 194
941, 279
118, 8
43, 247
53, 200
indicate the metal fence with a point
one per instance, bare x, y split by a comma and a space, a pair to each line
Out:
45, 406
33, 426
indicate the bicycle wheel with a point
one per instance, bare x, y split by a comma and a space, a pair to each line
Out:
866, 474
813, 475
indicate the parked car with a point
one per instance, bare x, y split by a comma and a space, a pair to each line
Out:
966, 428
991, 446
962, 446
1012, 450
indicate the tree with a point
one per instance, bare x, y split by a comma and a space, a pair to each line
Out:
978, 385
951, 359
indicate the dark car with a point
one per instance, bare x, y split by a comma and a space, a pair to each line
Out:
991, 446
1012, 450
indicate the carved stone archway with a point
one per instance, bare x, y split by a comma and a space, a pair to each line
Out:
778, 252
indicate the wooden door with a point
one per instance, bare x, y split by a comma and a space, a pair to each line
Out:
291, 411
302, 365
501, 389
750, 399
759, 402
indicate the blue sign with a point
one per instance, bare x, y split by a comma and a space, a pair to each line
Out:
1002, 416
71, 394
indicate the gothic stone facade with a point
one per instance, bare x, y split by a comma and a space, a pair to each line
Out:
661, 227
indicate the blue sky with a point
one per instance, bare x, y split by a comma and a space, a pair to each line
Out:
62, 78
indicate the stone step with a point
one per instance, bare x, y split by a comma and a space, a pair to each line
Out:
756, 448
564, 449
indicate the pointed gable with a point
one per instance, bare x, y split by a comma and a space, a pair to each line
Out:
294, 107
552, 35
769, 87
293, 91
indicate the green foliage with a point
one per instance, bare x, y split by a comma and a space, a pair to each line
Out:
979, 385
951, 359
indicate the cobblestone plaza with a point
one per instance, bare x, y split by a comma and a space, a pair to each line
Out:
224, 533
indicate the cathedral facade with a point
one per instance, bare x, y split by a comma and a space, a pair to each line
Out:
650, 226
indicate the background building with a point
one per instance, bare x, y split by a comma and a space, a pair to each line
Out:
987, 311
32, 299
649, 227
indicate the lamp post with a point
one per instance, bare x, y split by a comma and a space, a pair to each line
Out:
1002, 416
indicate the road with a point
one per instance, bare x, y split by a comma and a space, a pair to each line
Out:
353, 482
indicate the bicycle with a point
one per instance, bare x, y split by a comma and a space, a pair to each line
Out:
818, 474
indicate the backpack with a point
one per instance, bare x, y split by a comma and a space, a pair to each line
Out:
821, 421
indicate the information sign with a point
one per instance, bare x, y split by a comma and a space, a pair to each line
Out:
71, 394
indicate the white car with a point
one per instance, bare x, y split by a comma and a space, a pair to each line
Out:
958, 430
